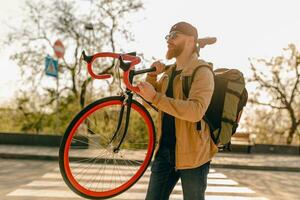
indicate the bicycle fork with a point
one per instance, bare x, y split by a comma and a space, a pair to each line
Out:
126, 101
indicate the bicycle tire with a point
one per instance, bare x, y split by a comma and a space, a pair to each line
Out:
78, 145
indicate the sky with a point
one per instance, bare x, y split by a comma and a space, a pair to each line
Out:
247, 28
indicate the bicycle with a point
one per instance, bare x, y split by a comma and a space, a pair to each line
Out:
100, 140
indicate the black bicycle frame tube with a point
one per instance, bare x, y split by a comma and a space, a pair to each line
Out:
128, 101
119, 123
143, 71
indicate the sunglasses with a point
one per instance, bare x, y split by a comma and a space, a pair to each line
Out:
173, 35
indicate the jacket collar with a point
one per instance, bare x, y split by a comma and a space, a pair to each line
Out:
192, 64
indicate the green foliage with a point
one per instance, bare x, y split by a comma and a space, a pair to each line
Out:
9, 120
101, 127
41, 120
57, 122
277, 96
45, 22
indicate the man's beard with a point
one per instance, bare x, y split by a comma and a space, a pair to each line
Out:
175, 51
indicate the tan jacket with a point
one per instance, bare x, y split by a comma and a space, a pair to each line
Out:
193, 148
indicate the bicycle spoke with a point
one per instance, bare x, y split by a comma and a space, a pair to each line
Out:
88, 143
96, 133
93, 162
127, 161
92, 180
85, 169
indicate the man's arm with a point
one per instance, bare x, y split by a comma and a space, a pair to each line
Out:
194, 108
152, 79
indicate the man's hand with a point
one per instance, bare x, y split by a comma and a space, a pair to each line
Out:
147, 91
159, 68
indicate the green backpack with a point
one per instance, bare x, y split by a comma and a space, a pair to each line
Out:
225, 109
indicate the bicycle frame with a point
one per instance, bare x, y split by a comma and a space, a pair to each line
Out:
128, 77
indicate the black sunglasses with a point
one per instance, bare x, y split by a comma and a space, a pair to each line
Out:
173, 35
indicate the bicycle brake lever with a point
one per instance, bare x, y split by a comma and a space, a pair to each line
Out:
124, 65
86, 58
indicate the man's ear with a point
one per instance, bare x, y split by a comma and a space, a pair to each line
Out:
191, 39
192, 44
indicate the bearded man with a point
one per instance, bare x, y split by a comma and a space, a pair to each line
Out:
182, 150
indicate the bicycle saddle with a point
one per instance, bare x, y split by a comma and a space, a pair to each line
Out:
202, 42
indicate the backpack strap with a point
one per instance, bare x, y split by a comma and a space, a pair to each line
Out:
187, 80
187, 83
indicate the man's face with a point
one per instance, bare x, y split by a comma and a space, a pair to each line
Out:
176, 42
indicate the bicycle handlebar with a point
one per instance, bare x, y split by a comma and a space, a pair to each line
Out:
126, 67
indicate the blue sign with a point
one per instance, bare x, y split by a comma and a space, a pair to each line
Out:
51, 67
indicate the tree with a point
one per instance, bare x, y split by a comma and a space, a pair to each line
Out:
278, 88
94, 30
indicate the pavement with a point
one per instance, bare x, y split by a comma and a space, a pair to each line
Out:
268, 162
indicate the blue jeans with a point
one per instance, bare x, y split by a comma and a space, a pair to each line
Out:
164, 177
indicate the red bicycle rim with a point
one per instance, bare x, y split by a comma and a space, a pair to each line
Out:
134, 178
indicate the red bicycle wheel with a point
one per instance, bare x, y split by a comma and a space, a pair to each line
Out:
88, 163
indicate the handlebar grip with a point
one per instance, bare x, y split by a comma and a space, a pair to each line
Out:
126, 66
96, 76
89, 60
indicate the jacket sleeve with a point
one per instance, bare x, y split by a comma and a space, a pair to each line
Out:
153, 81
194, 108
